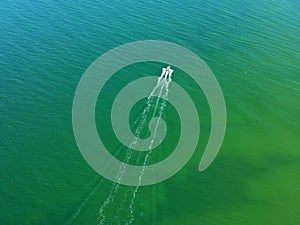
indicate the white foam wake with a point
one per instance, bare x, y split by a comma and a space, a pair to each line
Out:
158, 107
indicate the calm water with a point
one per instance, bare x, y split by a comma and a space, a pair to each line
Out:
253, 48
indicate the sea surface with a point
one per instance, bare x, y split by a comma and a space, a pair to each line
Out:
253, 49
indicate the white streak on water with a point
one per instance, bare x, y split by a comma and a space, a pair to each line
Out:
162, 86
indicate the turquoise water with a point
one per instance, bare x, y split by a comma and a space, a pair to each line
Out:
252, 47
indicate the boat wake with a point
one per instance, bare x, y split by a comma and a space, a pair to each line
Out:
156, 104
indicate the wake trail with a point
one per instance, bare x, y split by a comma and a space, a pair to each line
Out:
110, 199
142, 125
161, 110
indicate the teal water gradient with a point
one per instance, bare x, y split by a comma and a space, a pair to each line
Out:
252, 47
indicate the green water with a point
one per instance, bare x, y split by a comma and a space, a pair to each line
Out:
252, 47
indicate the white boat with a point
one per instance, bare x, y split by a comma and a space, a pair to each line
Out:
166, 74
